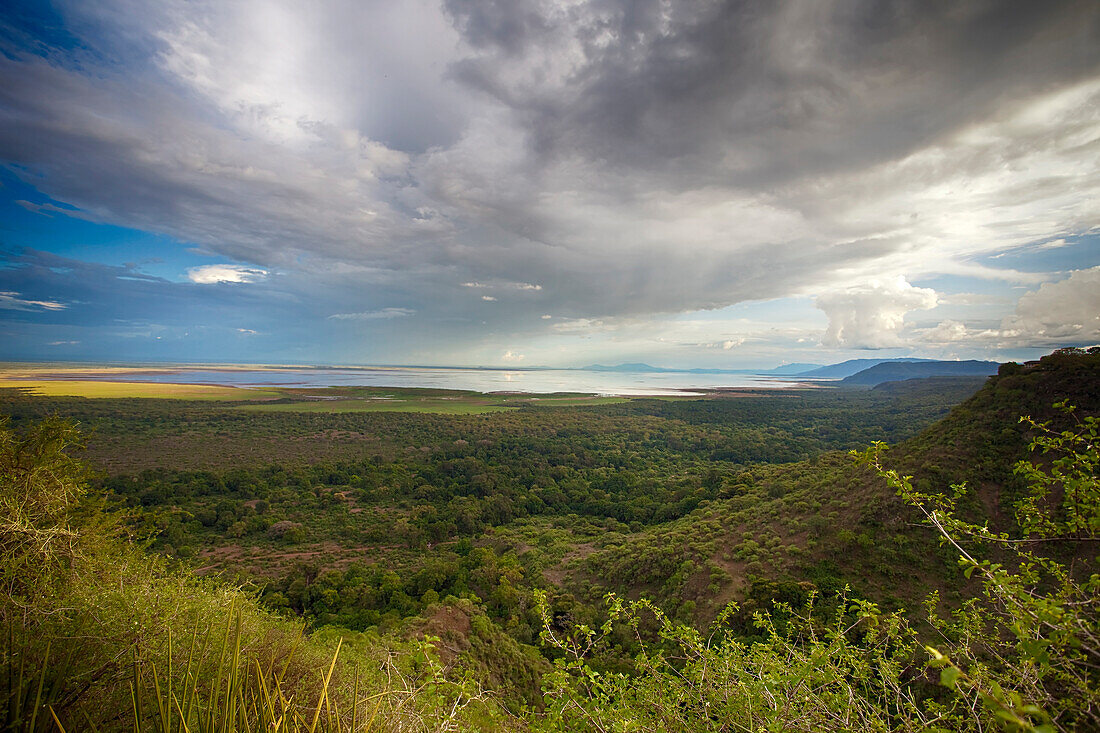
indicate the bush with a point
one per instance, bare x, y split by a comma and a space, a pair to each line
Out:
1023, 655
97, 634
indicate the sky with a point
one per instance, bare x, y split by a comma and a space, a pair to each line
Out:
486, 182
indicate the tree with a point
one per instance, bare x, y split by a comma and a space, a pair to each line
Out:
1022, 655
1028, 650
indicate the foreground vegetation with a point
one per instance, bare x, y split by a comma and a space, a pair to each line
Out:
643, 566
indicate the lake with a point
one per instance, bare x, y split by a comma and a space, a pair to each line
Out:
537, 381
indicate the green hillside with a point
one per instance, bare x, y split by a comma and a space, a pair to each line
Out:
438, 572
830, 522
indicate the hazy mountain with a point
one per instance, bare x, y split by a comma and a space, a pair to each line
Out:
782, 370
893, 371
790, 369
631, 367
850, 367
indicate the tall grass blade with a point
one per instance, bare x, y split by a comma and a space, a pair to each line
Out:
183, 719
56, 721
38, 694
216, 692
290, 655
168, 684
374, 713
137, 709
355, 702
192, 689
13, 691
233, 692
91, 726
324, 688
163, 706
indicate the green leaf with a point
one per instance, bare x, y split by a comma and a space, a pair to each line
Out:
949, 676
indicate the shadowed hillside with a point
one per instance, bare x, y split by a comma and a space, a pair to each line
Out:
830, 522
892, 371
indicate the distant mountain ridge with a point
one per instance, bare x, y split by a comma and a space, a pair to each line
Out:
638, 367
641, 367
631, 367
794, 369
847, 371
854, 366
893, 371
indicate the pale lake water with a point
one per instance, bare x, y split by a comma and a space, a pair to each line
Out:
536, 381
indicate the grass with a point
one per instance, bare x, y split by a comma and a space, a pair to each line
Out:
585, 400
429, 405
96, 389
471, 404
411, 399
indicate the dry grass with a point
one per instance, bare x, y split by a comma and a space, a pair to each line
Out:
97, 389
437, 406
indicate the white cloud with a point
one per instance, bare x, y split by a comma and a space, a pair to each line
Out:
582, 325
723, 345
972, 299
1056, 314
947, 332
10, 300
383, 314
1053, 244
208, 274
872, 316
511, 357
488, 298
1064, 310
503, 286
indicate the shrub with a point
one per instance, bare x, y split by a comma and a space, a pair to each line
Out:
99, 635
1023, 655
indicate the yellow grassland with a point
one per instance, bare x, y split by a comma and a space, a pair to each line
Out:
117, 390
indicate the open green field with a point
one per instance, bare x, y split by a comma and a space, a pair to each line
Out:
442, 402
553, 401
97, 389
428, 404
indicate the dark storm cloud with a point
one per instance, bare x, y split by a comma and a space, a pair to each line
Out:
118, 148
757, 93
628, 158
839, 121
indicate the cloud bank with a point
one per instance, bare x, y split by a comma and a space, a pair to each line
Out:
208, 274
11, 301
871, 317
610, 162
384, 314
1065, 310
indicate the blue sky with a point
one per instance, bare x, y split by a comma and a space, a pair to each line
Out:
478, 183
